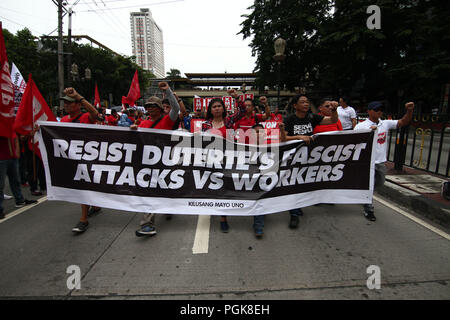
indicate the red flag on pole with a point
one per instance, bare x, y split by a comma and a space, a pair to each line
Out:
97, 97
134, 93
32, 108
6, 93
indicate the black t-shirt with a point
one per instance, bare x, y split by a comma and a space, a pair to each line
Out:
295, 126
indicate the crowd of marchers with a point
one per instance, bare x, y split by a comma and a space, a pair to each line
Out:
169, 113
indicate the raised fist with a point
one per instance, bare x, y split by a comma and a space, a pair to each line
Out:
163, 86
409, 106
233, 93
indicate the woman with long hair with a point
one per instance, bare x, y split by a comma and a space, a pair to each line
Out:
217, 122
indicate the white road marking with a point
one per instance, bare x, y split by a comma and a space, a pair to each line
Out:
22, 210
201, 241
413, 218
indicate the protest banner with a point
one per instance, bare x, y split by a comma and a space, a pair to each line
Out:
201, 173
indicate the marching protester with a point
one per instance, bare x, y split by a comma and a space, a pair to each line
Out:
300, 126
347, 115
194, 123
167, 108
124, 120
9, 167
217, 122
325, 110
381, 128
73, 102
249, 119
113, 118
157, 120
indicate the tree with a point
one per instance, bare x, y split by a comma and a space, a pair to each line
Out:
113, 73
173, 74
329, 40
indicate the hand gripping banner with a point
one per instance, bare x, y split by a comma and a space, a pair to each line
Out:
161, 171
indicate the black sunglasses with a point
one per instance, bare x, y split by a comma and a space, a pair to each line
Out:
150, 105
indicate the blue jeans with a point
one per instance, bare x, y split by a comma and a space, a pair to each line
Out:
10, 168
258, 222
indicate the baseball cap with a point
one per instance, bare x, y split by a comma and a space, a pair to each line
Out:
153, 100
375, 105
68, 99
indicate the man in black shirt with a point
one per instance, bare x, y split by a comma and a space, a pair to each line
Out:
300, 126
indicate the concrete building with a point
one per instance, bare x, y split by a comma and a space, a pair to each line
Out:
147, 42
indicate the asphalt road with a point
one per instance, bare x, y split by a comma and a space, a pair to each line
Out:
325, 258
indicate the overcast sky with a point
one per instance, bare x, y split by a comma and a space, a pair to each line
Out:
199, 35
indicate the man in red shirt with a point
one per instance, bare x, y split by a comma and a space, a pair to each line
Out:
249, 120
157, 120
113, 118
324, 110
73, 102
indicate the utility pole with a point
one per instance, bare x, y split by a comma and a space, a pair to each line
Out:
69, 55
60, 51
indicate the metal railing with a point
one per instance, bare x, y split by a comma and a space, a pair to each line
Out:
423, 145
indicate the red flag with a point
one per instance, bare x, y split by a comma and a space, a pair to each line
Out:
32, 108
97, 97
134, 93
6, 93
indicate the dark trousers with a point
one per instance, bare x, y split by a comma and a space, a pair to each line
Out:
40, 174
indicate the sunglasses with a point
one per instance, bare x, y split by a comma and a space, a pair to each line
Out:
378, 109
152, 105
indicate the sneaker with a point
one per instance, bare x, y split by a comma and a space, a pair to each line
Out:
294, 222
80, 227
36, 193
24, 203
147, 230
370, 216
7, 197
224, 226
93, 210
2, 215
259, 233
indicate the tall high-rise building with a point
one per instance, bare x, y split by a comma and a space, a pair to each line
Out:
147, 42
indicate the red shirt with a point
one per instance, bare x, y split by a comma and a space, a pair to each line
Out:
83, 119
246, 123
7, 148
112, 121
165, 123
276, 117
328, 127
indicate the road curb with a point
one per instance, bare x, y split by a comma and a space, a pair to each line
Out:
417, 203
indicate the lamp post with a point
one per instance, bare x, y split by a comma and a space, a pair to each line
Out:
280, 46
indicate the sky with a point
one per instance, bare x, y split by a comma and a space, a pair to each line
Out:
200, 36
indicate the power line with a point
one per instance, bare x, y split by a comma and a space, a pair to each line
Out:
136, 6
21, 25
112, 26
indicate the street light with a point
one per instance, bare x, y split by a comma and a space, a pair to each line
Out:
280, 46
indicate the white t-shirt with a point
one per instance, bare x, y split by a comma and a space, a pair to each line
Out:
346, 115
381, 136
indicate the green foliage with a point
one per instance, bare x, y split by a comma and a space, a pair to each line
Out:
409, 54
111, 72
174, 74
